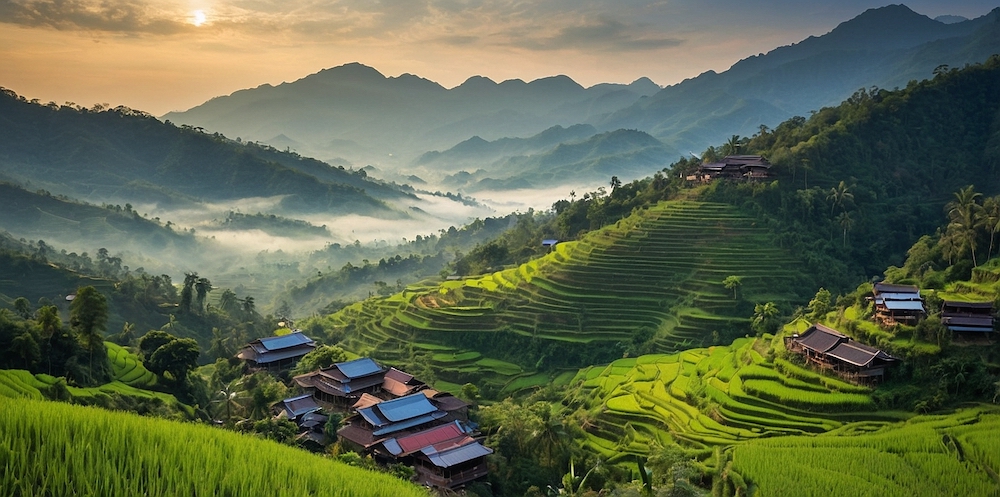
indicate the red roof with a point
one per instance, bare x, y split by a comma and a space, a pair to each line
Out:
434, 436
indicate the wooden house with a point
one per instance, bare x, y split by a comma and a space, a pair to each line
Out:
967, 317
829, 349
737, 167
276, 353
897, 304
343, 383
390, 418
445, 456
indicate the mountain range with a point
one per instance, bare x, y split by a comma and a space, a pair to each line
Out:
353, 113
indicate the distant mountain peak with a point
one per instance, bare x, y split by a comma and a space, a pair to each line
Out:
352, 71
949, 19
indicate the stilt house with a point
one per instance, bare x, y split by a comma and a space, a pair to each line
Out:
829, 349
967, 317
897, 304
276, 353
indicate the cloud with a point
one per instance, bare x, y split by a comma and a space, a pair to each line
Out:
122, 16
603, 33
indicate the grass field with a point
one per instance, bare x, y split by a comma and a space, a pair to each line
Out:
51, 448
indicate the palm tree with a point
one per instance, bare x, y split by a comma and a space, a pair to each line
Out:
732, 283
732, 146
764, 315
964, 213
838, 195
845, 222
201, 287
990, 220
249, 307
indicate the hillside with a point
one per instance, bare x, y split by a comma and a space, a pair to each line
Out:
627, 154
651, 282
354, 111
125, 155
61, 220
885, 47
92, 451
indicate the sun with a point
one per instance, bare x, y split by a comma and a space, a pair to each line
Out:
198, 17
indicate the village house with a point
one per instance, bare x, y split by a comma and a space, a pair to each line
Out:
343, 383
737, 167
897, 304
445, 456
276, 353
828, 349
967, 317
389, 418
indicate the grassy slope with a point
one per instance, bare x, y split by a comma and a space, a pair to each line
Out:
788, 427
50, 448
660, 270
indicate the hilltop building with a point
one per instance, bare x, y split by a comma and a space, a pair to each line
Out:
738, 167
276, 353
897, 304
967, 317
829, 349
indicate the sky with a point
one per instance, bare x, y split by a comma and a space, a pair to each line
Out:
164, 55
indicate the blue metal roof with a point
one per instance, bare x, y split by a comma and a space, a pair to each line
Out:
405, 407
904, 305
359, 367
281, 355
285, 341
409, 423
456, 456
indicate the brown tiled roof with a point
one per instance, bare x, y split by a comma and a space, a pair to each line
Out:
366, 400
357, 434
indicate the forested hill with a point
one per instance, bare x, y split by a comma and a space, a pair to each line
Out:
101, 154
885, 47
857, 184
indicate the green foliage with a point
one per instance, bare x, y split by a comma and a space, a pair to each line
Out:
91, 451
321, 357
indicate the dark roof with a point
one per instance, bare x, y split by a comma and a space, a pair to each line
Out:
821, 338
858, 354
313, 420
984, 321
297, 406
453, 456
400, 376
891, 288
357, 434
359, 367
967, 305
448, 402
752, 160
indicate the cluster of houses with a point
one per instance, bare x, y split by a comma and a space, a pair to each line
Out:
827, 348
387, 413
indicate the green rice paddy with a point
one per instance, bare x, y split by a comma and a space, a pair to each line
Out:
660, 270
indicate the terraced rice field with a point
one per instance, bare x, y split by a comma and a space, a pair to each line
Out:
660, 270
716, 396
958, 454
127, 368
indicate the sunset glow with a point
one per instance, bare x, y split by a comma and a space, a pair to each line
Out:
142, 54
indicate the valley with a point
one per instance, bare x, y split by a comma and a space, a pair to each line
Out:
344, 283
